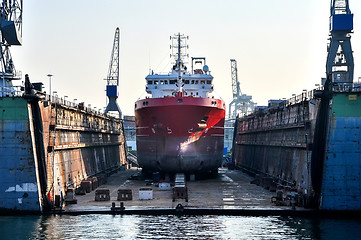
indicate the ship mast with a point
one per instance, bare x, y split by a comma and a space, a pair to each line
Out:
179, 67
180, 80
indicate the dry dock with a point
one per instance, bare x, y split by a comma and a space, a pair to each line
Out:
230, 190
231, 193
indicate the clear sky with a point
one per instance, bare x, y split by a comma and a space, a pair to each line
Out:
280, 45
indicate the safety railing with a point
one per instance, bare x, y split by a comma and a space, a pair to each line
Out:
14, 91
62, 100
346, 87
308, 95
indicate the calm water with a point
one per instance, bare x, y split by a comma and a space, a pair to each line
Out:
173, 227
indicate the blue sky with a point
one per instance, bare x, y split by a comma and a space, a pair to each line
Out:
279, 45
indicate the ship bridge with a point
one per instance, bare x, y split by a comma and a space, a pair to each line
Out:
197, 83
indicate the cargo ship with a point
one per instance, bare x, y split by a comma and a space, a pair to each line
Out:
48, 146
307, 148
180, 128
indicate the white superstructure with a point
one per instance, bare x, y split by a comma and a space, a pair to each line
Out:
196, 83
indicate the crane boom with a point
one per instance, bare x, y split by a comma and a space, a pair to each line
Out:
113, 73
235, 84
113, 77
241, 104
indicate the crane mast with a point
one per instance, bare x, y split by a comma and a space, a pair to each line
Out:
241, 104
340, 60
11, 34
113, 77
235, 84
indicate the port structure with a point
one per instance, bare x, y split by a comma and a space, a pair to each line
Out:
113, 77
11, 35
241, 104
340, 58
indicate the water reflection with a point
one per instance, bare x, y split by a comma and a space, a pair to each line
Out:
173, 227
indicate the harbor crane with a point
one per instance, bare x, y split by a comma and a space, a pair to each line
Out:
11, 34
340, 58
113, 77
241, 104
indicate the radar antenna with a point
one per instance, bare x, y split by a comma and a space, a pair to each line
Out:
113, 77
340, 58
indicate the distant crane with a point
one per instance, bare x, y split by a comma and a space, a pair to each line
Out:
340, 58
11, 33
113, 77
242, 104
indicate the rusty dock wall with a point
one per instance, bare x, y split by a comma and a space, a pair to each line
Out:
80, 144
310, 144
276, 143
50, 146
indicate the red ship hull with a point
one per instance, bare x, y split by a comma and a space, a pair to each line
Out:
180, 134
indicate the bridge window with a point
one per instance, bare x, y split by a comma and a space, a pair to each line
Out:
150, 82
209, 82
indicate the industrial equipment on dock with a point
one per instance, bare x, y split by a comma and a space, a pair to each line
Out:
340, 58
11, 35
241, 104
113, 77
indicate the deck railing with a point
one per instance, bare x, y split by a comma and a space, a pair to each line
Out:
308, 95
14, 91
62, 100
18, 91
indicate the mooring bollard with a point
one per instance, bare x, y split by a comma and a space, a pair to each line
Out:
179, 208
122, 206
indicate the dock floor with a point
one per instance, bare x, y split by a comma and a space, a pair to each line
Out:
230, 190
